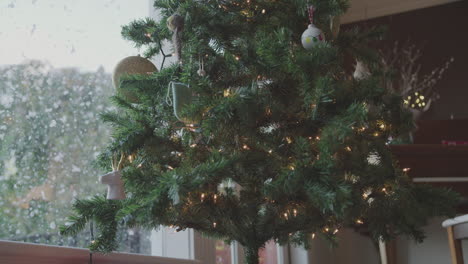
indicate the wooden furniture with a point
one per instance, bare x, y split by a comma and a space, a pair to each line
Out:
439, 165
430, 161
27, 253
457, 229
367, 9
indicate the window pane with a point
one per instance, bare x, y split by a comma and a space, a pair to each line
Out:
56, 59
223, 252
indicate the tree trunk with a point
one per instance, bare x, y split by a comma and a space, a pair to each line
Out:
251, 255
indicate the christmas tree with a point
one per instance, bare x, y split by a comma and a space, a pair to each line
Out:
259, 132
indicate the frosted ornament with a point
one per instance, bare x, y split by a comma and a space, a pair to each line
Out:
311, 37
229, 184
113, 180
361, 71
115, 185
181, 97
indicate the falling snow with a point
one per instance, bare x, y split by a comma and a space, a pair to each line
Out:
50, 135
50, 101
75, 169
6, 100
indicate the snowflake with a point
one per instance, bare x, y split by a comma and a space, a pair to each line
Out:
6, 100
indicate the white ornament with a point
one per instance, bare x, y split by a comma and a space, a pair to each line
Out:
115, 185
311, 37
201, 72
361, 71
230, 184
373, 158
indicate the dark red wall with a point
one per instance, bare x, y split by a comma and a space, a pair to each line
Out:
442, 33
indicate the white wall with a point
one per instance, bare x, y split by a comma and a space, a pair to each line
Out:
434, 250
354, 248
166, 242
298, 255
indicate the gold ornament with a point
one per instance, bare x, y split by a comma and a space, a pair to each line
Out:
131, 65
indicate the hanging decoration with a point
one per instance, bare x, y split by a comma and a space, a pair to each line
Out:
181, 97
231, 185
312, 35
419, 92
127, 66
361, 71
335, 23
201, 71
175, 23
115, 184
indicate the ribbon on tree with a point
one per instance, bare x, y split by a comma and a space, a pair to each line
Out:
311, 10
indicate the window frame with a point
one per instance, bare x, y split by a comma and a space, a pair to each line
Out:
237, 254
193, 245
20, 252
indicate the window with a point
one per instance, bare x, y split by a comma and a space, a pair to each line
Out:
223, 253
230, 254
166, 242
56, 59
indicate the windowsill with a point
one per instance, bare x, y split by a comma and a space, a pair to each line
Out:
19, 253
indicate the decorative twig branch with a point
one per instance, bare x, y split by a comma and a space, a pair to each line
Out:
417, 90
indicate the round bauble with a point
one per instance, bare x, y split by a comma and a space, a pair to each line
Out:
131, 65
311, 37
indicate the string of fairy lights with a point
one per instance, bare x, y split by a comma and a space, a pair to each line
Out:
291, 211
416, 101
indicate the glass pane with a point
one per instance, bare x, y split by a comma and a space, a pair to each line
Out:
56, 59
269, 254
223, 252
